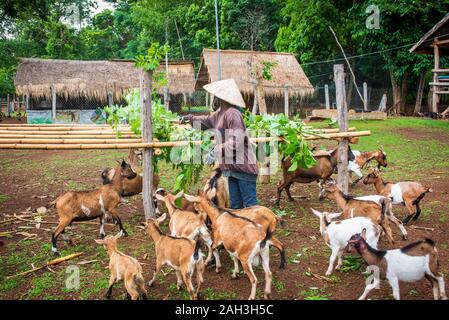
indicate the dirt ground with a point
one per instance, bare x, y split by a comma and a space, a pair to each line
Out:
31, 179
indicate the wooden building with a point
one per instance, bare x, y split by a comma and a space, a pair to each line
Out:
436, 42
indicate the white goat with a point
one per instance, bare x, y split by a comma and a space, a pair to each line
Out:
337, 234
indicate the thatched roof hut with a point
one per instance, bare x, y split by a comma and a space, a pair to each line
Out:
239, 65
93, 80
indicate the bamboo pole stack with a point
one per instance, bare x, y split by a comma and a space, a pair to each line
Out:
79, 137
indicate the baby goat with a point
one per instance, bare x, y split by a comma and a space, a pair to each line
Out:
378, 211
188, 224
409, 264
124, 267
89, 205
337, 234
182, 254
405, 193
243, 239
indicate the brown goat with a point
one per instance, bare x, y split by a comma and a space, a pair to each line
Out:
89, 205
220, 183
124, 267
182, 254
320, 172
378, 212
130, 186
242, 238
406, 193
188, 224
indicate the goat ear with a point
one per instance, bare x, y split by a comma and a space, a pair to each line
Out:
110, 174
191, 198
99, 241
211, 193
179, 194
159, 197
317, 213
332, 216
363, 234
161, 218
123, 163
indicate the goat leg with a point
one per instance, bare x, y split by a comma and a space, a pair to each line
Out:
287, 191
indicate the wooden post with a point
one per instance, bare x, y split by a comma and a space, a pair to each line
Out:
326, 94
147, 136
110, 99
286, 106
7, 104
342, 111
365, 97
419, 94
53, 102
435, 99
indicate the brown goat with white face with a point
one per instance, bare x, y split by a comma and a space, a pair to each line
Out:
320, 172
379, 213
188, 224
243, 239
406, 193
124, 267
89, 205
182, 254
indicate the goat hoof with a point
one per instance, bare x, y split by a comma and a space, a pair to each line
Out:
267, 296
234, 276
56, 254
217, 270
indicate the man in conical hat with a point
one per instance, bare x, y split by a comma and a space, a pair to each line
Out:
235, 153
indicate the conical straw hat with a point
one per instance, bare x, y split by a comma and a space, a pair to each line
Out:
226, 90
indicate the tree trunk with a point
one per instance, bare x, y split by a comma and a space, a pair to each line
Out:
404, 90
420, 93
261, 98
396, 88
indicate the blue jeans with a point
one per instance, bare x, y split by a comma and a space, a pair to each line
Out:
242, 193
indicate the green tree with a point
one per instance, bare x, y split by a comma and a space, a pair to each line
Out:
402, 23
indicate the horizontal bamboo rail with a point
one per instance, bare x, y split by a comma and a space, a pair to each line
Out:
162, 144
62, 132
81, 136
58, 128
49, 125
67, 141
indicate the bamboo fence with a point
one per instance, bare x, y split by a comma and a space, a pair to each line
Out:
73, 137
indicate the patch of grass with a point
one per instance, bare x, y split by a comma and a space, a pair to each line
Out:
278, 285
3, 198
41, 283
211, 294
315, 294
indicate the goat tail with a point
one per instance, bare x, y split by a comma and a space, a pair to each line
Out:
53, 203
139, 281
385, 210
282, 221
268, 236
417, 200
198, 244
